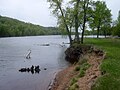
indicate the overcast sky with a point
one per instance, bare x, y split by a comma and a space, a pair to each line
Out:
38, 12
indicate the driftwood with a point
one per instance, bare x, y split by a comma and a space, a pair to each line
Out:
28, 54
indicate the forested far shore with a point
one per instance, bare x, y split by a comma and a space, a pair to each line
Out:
10, 27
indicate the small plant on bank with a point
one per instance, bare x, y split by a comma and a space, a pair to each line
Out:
83, 68
74, 87
73, 81
80, 64
82, 73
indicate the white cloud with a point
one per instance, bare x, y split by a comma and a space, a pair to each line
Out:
114, 5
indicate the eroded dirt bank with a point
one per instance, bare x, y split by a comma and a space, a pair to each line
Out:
63, 79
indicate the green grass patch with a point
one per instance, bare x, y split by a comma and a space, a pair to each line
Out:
82, 73
111, 64
73, 84
74, 87
82, 64
73, 81
83, 68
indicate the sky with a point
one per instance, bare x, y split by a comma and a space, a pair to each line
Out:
38, 12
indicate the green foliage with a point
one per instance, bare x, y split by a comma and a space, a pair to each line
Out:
60, 13
82, 73
73, 81
74, 16
73, 84
11, 27
111, 80
100, 18
116, 26
74, 87
83, 68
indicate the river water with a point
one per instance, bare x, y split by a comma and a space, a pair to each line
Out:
12, 58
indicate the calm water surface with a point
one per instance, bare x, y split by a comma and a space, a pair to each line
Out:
12, 58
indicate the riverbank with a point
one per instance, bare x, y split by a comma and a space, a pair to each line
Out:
86, 70
98, 75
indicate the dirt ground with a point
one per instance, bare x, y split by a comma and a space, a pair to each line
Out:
62, 79
92, 73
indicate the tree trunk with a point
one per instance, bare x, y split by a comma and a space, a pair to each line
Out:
85, 6
105, 33
76, 22
98, 28
67, 29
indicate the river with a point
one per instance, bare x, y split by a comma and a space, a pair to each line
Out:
12, 58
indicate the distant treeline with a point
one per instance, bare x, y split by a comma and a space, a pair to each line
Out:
12, 27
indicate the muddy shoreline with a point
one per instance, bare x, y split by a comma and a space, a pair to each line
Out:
62, 78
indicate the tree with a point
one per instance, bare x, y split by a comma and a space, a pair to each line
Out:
58, 11
69, 16
74, 16
11, 27
81, 15
116, 26
101, 16
76, 13
118, 19
84, 11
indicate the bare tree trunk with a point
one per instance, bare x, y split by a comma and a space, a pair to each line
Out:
105, 33
76, 22
85, 7
98, 29
67, 29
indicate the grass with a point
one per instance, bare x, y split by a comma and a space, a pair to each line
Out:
73, 81
73, 84
74, 87
110, 65
81, 68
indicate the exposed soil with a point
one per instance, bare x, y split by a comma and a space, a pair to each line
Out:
92, 73
63, 78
